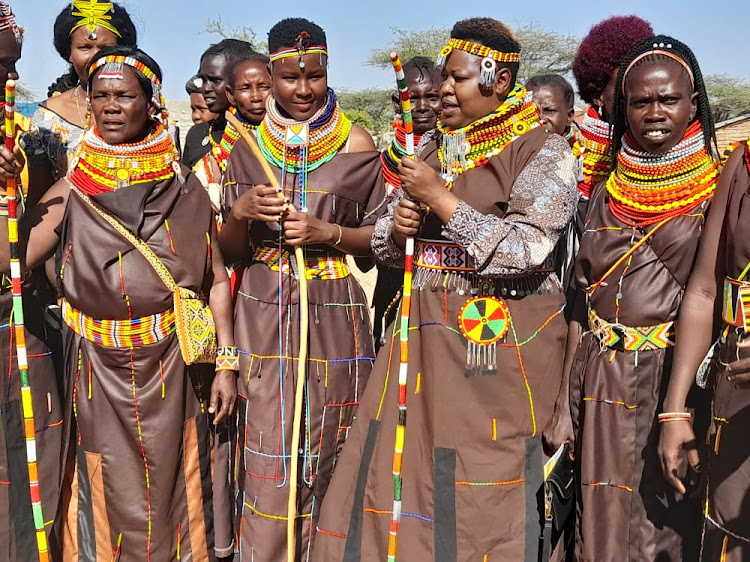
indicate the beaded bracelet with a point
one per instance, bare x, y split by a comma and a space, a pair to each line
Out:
675, 416
227, 358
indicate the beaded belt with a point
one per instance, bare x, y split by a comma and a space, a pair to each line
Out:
324, 267
444, 256
627, 338
120, 333
736, 309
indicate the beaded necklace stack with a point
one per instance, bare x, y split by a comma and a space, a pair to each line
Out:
473, 146
647, 188
595, 145
391, 156
327, 131
99, 167
222, 149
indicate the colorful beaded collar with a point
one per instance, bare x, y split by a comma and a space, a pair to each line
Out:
473, 146
595, 145
294, 145
391, 156
99, 167
647, 188
222, 149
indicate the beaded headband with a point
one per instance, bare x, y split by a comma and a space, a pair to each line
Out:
659, 49
93, 13
301, 48
112, 67
489, 57
8, 21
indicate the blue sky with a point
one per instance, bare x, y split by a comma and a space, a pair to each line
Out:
171, 30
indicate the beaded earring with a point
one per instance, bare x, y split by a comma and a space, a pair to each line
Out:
487, 75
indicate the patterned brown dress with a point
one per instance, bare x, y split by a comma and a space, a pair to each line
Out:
138, 485
348, 191
626, 508
472, 460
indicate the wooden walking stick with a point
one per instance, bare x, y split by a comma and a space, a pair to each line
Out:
301, 361
403, 368
11, 190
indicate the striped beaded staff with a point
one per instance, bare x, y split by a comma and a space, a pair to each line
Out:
398, 448
19, 332
304, 329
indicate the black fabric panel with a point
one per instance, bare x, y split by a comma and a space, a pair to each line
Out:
353, 547
204, 455
533, 480
19, 495
444, 500
86, 528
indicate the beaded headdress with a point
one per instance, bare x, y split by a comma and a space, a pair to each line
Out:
660, 49
93, 13
8, 21
489, 57
302, 47
112, 67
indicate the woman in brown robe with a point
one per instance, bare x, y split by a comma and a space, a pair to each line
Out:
722, 265
638, 248
344, 188
472, 456
138, 476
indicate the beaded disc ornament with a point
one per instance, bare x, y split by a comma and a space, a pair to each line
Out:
483, 320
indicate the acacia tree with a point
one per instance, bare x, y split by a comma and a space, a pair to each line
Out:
728, 95
241, 32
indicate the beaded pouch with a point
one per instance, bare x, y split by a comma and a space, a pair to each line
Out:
194, 322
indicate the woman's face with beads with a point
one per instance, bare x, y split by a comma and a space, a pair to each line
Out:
300, 85
120, 108
464, 99
659, 104
84, 45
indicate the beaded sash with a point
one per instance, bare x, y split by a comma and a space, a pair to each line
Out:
120, 333
323, 267
631, 338
736, 308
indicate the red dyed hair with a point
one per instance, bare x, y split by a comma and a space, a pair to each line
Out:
602, 50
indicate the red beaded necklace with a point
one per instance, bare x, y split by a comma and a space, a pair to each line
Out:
392, 155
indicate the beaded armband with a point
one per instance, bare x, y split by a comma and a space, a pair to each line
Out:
675, 416
227, 358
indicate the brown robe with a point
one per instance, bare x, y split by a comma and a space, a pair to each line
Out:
626, 508
348, 191
139, 480
18, 541
727, 527
472, 461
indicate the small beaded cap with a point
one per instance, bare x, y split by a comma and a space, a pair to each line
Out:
8, 21
93, 14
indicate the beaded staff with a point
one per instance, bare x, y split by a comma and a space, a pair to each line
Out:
301, 360
11, 188
398, 447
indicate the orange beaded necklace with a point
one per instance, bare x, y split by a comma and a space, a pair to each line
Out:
647, 188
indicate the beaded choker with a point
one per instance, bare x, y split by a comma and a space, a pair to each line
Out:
222, 149
648, 188
473, 145
303, 146
595, 145
99, 167
392, 155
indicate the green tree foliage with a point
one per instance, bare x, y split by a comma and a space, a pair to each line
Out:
241, 32
23, 93
729, 96
408, 44
370, 109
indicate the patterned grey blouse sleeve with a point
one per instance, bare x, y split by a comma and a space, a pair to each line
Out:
383, 248
542, 203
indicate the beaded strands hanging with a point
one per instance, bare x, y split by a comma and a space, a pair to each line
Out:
403, 368
19, 332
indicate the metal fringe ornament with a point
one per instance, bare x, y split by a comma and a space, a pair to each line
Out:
398, 448
302, 359
20, 333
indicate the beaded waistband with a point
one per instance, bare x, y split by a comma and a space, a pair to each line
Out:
120, 333
322, 266
631, 338
736, 308
444, 256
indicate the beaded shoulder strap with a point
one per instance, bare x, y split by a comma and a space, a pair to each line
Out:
159, 267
